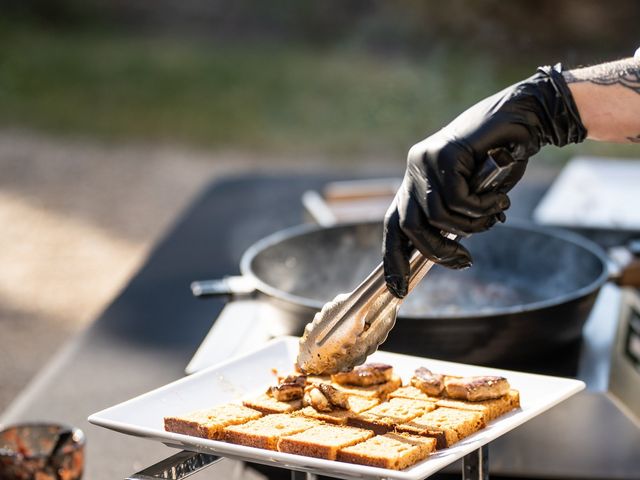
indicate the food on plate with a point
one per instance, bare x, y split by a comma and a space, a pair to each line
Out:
266, 431
336, 397
365, 375
209, 423
325, 398
476, 388
409, 391
339, 416
490, 409
447, 425
365, 416
289, 388
386, 416
266, 404
391, 450
323, 441
315, 398
381, 390
428, 382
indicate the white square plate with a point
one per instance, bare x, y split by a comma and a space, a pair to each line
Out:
251, 374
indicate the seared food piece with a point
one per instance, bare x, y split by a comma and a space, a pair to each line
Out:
428, 382
325, 398
490, 409
316, 399
266, 431
365, 375
289, 388
384, 417
266, 404
392, 450
381, 390
339, 416
476, 388
210, 423
323, 441
336, 397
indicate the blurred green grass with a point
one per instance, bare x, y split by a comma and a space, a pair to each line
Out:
266, 97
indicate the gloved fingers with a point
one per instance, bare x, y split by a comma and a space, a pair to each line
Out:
428, 238
396, 249
450, 221
459, 197
454, 173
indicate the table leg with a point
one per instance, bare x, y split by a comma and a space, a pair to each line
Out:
475, 465
176, 467
295, 475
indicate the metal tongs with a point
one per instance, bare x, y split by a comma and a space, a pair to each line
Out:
350, 327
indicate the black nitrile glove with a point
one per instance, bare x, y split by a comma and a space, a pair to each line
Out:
435, 195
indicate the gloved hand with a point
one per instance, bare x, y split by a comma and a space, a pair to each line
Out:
435, 194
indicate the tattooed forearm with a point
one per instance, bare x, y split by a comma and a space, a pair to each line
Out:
623, 72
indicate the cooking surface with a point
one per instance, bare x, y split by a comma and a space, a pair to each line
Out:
146, 337
512, 268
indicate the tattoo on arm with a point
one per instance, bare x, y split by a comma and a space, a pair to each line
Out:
623, 72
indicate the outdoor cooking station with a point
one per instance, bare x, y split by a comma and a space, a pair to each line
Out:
146, 337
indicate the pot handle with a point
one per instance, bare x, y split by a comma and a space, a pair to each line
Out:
233, 285
626, 264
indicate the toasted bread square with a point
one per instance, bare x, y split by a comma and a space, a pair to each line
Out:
490, 409
381, 390
322, 441
409, 391
266, 404
315, 379
340, 416
392, 450
265, 432
384, 417
447, 425
210, 423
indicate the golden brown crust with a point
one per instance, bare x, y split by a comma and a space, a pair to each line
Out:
490, 409
210, 423
384, 417
409, 391
393, 450
374, 391
322, 441
365, 375
428, 382
265, 432
289, 388
266, 404
444, 437
447, 421
476, 388
339, 416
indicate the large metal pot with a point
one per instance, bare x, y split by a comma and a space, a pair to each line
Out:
528, 293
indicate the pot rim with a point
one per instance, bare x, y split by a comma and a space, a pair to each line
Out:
275, 238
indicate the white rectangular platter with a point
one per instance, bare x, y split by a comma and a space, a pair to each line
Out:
250, 374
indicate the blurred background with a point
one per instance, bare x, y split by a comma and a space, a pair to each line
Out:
113, 114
